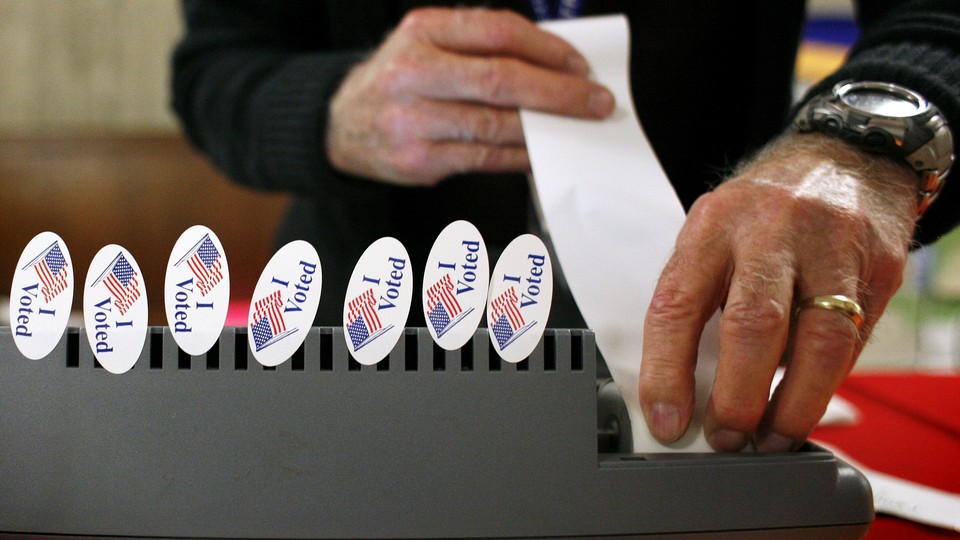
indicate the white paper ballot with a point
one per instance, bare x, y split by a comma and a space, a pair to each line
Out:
896, 496
613, 218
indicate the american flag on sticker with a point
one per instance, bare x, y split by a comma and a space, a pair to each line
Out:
205, 264
362, 319
267, 324
51, 266
121, 280
508, 321
442, 305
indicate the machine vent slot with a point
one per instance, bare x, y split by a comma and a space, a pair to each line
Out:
466, 356
240, 351
326, 352
296, 361
494, 358
439, 358
183, 359
410, 352
156, 349
550, 352
576, 352
417, 351
73, 349
213, 357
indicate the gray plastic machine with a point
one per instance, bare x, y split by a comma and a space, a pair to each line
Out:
426, 444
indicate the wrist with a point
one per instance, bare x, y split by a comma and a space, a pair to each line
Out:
890, 120
842, 177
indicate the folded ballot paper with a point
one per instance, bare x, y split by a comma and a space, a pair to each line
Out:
613, 217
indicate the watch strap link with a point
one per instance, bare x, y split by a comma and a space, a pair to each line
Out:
929, 160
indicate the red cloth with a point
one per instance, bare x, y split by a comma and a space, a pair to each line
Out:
909, 427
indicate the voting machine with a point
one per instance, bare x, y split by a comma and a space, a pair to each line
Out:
425, 444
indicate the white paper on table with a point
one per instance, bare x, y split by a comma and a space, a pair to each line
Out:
613, 217
896, 496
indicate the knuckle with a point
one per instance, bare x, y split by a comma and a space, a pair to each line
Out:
753, 319
658, 377
825, 335
409, 160
709, 208
484, 158
503, 35
394, 120
741, 413
494, 82
395, 75
415, 20
671, 305
489, 126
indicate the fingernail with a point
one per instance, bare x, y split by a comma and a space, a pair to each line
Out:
577, 64
665, 421
728, 440
774, 442
600, 103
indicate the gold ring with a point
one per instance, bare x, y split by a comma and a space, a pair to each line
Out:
836, 302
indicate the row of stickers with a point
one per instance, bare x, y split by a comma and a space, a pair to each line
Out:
457, 290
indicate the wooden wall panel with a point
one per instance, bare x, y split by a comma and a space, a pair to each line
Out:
140, 192
92, 64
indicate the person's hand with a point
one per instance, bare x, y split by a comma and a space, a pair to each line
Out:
440, 96
809, 216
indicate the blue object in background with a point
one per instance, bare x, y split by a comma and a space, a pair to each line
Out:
832, 30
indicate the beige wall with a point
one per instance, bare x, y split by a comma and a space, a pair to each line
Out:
86, 65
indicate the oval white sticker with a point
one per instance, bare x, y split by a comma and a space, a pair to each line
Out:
115, 308
455, 285
378, 300
521, 292
285, 303
41, 295
196, 291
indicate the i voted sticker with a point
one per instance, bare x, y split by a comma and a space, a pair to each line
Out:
285, 303
41, 295
378, 301
521, 291
196, 291
455, 285
115, 308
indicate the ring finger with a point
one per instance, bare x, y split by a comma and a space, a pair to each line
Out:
824, 345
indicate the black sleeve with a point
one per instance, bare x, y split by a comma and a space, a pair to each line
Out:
916, 45
251, 83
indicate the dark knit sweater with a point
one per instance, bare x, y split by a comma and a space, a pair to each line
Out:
711, 81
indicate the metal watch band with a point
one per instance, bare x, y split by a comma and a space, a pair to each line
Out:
922, 139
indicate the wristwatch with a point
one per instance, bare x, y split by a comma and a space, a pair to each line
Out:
886, 119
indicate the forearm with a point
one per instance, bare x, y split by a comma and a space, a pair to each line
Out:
254, 104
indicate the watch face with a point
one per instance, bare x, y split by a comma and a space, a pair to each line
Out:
881, 102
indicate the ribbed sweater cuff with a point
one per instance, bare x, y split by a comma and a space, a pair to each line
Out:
291, 121
934, 73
